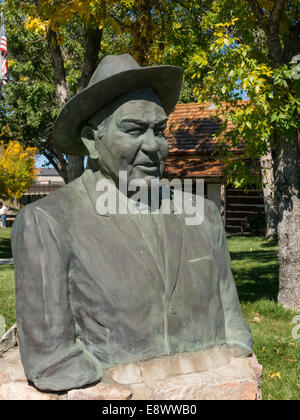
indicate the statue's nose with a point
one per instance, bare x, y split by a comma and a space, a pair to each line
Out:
149, 145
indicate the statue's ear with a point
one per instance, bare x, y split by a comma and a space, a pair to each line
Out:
88, 139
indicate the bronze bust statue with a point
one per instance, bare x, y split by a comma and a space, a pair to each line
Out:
96, 290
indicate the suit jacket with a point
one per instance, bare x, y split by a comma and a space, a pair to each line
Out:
94, 291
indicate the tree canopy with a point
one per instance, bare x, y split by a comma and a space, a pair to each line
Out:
17, 170
54, 47
239, 64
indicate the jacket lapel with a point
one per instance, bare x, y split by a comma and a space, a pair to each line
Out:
173, 226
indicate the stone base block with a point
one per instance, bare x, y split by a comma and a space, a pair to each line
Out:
9, 340
207, 375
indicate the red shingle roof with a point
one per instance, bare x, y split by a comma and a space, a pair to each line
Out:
191, 128
177, 167
190, 132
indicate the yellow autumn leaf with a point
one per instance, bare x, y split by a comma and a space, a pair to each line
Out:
36, 24
11, 62
275, 375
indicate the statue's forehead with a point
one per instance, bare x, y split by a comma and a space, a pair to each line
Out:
140, 109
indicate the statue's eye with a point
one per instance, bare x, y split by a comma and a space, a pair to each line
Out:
136, 131
132, 128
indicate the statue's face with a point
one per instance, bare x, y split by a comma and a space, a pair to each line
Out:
134, 141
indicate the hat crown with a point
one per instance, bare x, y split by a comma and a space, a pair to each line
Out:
114, 76
113, 64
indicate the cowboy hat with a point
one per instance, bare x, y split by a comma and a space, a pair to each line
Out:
115, 75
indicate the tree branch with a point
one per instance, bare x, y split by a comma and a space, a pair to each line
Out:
51, 159
58, 68
58, 161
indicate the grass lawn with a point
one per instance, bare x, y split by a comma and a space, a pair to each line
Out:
255, 270
7, 286
5, 249
7, 294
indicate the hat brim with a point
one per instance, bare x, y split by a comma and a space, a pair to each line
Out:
164, 80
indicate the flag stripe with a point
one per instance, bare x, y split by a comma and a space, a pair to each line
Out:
3, 52
3, 43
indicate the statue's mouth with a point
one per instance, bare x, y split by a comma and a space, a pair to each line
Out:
148, 164
149, 167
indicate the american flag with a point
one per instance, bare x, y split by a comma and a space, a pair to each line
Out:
3, 52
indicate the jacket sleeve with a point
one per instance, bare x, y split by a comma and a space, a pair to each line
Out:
52, 357
238, 335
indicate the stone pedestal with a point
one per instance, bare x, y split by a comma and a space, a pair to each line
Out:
208, 375
212, 374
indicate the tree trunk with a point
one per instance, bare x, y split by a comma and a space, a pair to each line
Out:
58, 68
75, 163
287, 183
92, 36
59, 162
62, 166
267, 172
75, 167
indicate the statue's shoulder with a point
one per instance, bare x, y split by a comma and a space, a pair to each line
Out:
208, 207
60, 203
210, 210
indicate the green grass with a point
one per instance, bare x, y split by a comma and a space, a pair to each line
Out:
7, 285
255, 270
5, 249
7, 294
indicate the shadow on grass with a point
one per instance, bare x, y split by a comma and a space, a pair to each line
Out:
5, 248
6, 267
254, 257
268, 244
256, 274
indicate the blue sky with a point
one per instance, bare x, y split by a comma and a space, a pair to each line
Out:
40, 161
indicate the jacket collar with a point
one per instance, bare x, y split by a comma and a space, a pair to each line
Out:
93, 183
